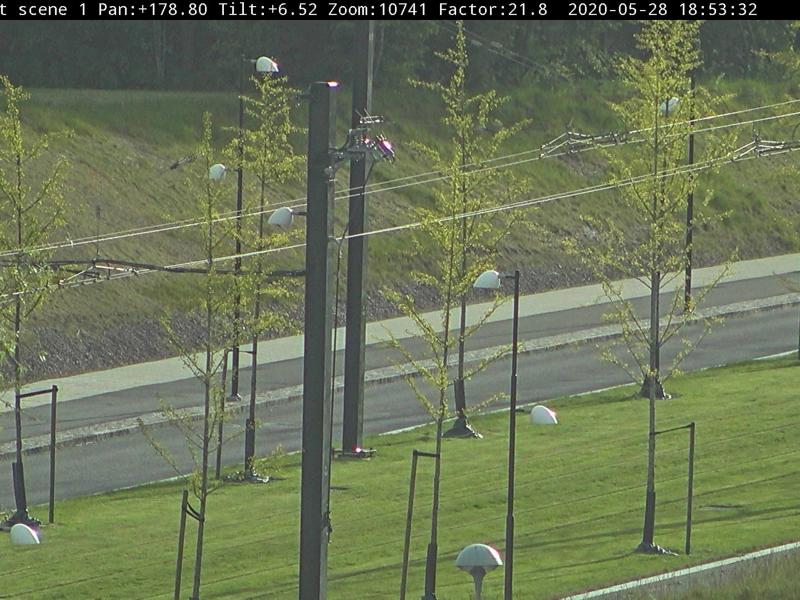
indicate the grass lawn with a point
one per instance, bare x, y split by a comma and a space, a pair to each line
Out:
579, 501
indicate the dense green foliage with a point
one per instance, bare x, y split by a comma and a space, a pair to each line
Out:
203, 55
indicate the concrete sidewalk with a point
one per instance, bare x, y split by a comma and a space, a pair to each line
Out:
174, 369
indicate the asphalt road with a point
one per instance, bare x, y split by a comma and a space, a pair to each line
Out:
128, 460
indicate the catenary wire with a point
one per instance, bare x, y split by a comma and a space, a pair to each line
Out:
384, 186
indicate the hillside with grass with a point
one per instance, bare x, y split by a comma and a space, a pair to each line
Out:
124, 143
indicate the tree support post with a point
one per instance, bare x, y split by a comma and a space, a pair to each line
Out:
412, 486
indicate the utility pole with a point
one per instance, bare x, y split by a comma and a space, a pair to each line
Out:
355, 334
316, 459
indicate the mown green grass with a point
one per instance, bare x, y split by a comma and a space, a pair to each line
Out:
579, 499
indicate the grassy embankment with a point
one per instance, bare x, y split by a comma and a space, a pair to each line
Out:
125, 142
579, 497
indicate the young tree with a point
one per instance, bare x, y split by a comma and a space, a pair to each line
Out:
788, 61
652, 250
218, 287
31, 208
460, 248
476, 136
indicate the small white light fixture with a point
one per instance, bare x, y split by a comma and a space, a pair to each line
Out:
217, 172
668, 106
283, 217
22, 535
488, 280
541, 415
477, 560
265, 64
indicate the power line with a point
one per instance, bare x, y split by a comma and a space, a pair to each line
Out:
696, 167
437, 176
571, 194
492, 46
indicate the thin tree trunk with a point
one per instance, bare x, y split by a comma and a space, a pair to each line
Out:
430, 571
651, 380
198, 563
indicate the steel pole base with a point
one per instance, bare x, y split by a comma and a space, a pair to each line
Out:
644, 391
20, 516
648, 548
356, 453
461, 429
247, 477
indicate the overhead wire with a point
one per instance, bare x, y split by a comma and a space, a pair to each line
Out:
432, 176
607, 186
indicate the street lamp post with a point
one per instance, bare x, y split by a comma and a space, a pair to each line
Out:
491, 280
261, 65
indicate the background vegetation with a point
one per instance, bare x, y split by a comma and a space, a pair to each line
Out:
125, 141
203, 55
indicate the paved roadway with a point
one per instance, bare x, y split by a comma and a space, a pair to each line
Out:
127, 460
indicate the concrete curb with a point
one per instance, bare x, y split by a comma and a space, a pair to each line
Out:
668, 582
92, 433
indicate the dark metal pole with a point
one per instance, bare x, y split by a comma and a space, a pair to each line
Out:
687, 300
355, 334
53, 401
689, 490
237, 264
512, 442
222, 408
314, 510
181, 537
21, 515
250, 424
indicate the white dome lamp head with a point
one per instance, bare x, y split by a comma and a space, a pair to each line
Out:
488, 280
477, 560
23, 535
217, 172
668, 106
541, 415
266, 65
283, 217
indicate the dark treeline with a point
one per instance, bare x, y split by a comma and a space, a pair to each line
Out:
203, 55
